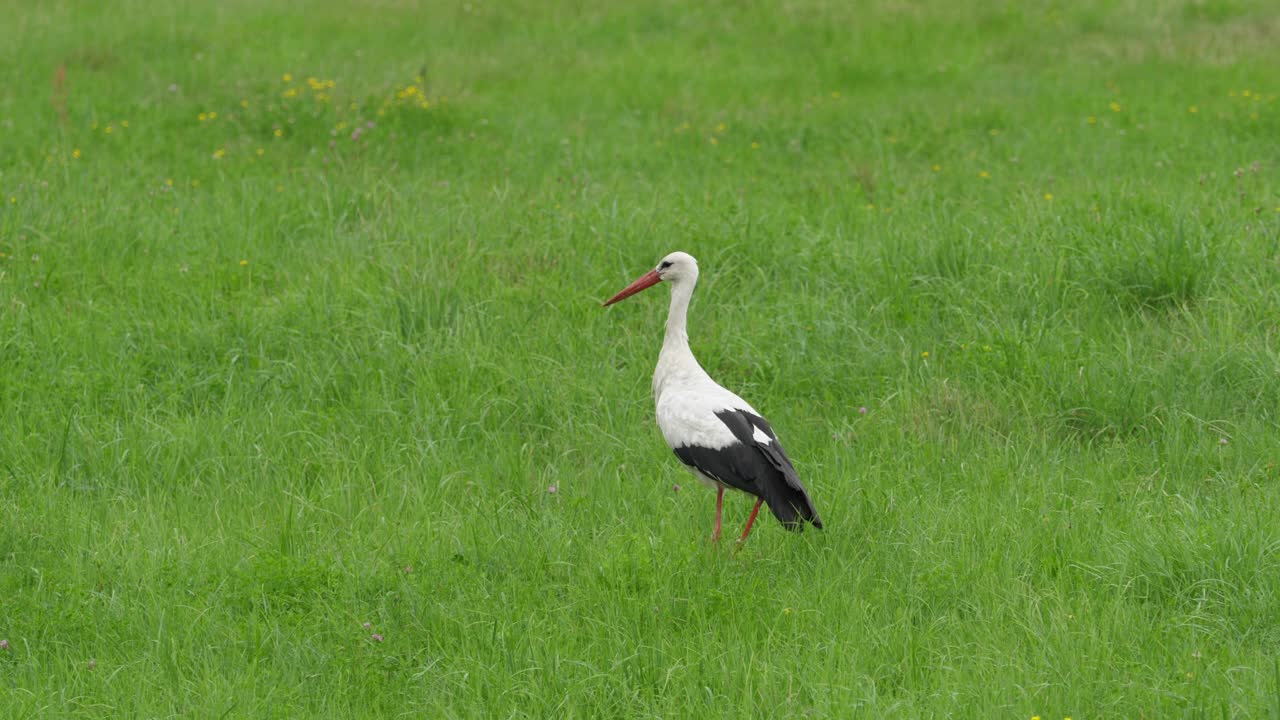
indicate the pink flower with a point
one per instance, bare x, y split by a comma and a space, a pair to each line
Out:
675, 488
4, 644
376, 637
92, 663
553, 489
408, 569
862, 410
1222, 441
367, 626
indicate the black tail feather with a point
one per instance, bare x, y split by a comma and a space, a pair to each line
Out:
783, 492
792, 507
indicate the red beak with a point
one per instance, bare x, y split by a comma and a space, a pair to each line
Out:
646, 280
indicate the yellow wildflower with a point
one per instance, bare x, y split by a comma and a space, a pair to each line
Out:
291, 92
287, 77
925, 354
937, 168
244, 103
279, 132
124, 123
219, 153
755, 146
108, 129
1193, 109
261, 152
202, 117
168, 182
984, 175
1115, 106
1048, 196
243, 263
75, 153
1091, 120
720, 128
213, 115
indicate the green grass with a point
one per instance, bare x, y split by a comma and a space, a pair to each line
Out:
251, 401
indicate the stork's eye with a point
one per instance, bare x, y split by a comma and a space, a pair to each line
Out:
664, 265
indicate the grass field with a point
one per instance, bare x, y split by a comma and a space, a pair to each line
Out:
300, 320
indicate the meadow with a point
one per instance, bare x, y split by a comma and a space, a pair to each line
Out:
308, 406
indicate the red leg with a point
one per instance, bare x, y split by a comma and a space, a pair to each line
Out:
750, 521
715, 535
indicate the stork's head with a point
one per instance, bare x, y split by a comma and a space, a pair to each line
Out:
678, 267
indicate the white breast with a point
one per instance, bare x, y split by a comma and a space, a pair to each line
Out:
687, 416
687, 398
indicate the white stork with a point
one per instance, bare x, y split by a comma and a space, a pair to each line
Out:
719, 437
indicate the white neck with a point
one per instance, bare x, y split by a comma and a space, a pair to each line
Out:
677, 316
676, 363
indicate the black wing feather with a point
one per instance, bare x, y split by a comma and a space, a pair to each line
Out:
759, 468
